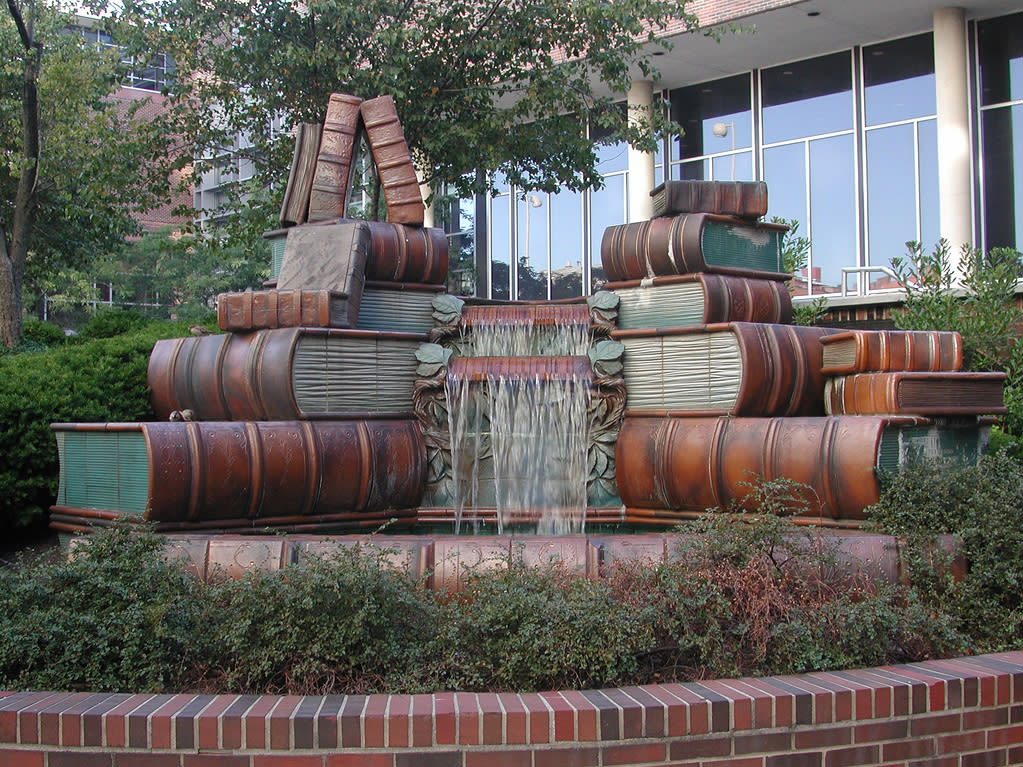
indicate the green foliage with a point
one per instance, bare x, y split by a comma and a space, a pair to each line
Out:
114, 617
107, 323
97, 380
42, 334
982, 508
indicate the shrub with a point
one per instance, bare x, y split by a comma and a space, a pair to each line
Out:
99, 380
115, 617
982, 506
107, 323
42, 334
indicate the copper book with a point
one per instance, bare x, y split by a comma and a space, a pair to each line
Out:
738, 368
882, 351
332, 178
327, 258
393, 161
257, 309
746, 199
174, 472
694, 464
284, 374
916, 394
295, 207
691, 243
699, 299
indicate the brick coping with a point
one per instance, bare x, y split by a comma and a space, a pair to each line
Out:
648, 716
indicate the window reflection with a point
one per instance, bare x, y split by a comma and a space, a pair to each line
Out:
1003, 177
607, 208
699, 108
891, 191
898, 79
808, 97
533, 263
500, 246
566, 244
1000, 45
832, 229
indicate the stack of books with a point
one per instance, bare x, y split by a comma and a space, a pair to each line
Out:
723, 392
297, 417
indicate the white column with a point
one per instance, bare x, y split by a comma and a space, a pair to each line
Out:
641, 164
426, 191
951, 75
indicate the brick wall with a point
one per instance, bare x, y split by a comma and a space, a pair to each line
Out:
966, 712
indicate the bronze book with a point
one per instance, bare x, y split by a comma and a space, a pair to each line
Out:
700, 299
248, 473
284, 374
882, 351
258, 309
295, 207
327, 258
329, 193
930, 394
694, 464
391, 155
738, 368
745, 199
691, 243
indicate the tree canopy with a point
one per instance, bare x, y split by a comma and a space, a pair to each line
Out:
495, 85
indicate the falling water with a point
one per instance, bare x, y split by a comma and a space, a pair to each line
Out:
519, 337
519, 444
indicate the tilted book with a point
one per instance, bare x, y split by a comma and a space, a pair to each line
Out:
700, 299
329, 193
295, 207
245, 473
693, 464
738, 368
284, 374
393, 161
912, 393
258, 309
690, 243
745, 199
327, 258
882, 351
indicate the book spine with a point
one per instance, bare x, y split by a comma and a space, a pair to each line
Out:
226, 471
738, 299
394, 162
268, 309
699, 463
729, 198
781, 370
234, 377
295, 207
329, 190
862, 395
399, 253
916, 393
905, 350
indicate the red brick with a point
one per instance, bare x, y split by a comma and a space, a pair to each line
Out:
818, 738
286, 760
254, 722
498, 759
514, 719
428, 759
585, 715
742, 761
947, 761
763, 704
208, 721
564, 716
634, 753
136, 759
960, 742
700, 747
444, 718
214, 760
934, 724
28, 717
699, 709
1016, 755
49, 716
855, 755
907, 749
280, 722
374, 721
985, 759
566, 757
1005, 736
21, 758
116, 721
762, 742
231, 722
493, 718
676, 711
538, 718
653, 711
72, 721
985, 717
422, 720
398, 721
78, 759
812, 759
160, 732
360, 760
468, 717
868, 733
782, 703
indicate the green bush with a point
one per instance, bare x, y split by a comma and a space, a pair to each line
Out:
982, 507
42, 334
107, 323
116, 617
98, 380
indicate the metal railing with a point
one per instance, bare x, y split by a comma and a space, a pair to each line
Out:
847, 270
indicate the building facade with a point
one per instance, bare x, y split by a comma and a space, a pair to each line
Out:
872, 123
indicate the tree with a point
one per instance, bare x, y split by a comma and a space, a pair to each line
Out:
75, 163
496, 85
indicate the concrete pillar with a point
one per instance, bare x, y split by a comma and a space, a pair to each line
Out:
641, 164
951, 75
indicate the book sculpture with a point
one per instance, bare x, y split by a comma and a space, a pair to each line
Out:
355, 390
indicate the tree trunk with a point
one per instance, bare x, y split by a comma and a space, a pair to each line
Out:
375, 199
10, 297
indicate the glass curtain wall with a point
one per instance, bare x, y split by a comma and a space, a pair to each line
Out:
717, 120
1000, 52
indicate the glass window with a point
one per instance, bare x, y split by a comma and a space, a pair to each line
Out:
607, 208
1000, 45
500, 246
891, 192
927, 132
808, 97
832, 229
715, 116
566, 244
533, 268
898, 79
1003, 177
